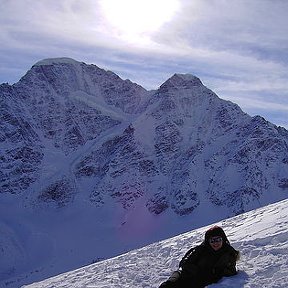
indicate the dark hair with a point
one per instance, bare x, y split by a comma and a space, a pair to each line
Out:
215, 231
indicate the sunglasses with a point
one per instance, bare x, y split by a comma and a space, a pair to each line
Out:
215, 240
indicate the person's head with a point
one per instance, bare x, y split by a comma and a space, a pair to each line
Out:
215, 237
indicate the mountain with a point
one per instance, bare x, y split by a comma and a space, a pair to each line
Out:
260, 236
89, 158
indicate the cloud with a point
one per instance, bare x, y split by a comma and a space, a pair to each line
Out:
237, 48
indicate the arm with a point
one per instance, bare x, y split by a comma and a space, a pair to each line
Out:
230, 266
188, 264
226, 266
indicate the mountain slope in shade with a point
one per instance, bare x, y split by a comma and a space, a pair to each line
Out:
87, 157
260, 235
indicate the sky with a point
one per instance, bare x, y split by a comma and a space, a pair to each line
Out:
238, 48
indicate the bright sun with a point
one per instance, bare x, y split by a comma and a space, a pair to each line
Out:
135, 18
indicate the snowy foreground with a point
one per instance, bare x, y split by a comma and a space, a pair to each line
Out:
261, 236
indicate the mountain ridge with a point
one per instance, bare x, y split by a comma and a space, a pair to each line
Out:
80, 144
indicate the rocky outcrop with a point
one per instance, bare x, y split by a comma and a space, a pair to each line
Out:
172, 146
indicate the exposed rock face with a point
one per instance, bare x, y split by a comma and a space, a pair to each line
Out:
74, 136
172, 146
21, 151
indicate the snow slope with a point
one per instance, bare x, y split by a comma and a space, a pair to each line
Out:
261, 236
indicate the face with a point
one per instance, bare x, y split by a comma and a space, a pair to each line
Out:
216, 242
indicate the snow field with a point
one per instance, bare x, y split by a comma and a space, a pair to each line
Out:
261, 236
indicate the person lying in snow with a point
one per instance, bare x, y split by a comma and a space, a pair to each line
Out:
205, 264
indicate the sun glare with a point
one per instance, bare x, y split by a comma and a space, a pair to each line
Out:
135, 18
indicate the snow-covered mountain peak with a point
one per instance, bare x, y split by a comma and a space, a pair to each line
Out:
58, 78
181, 81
